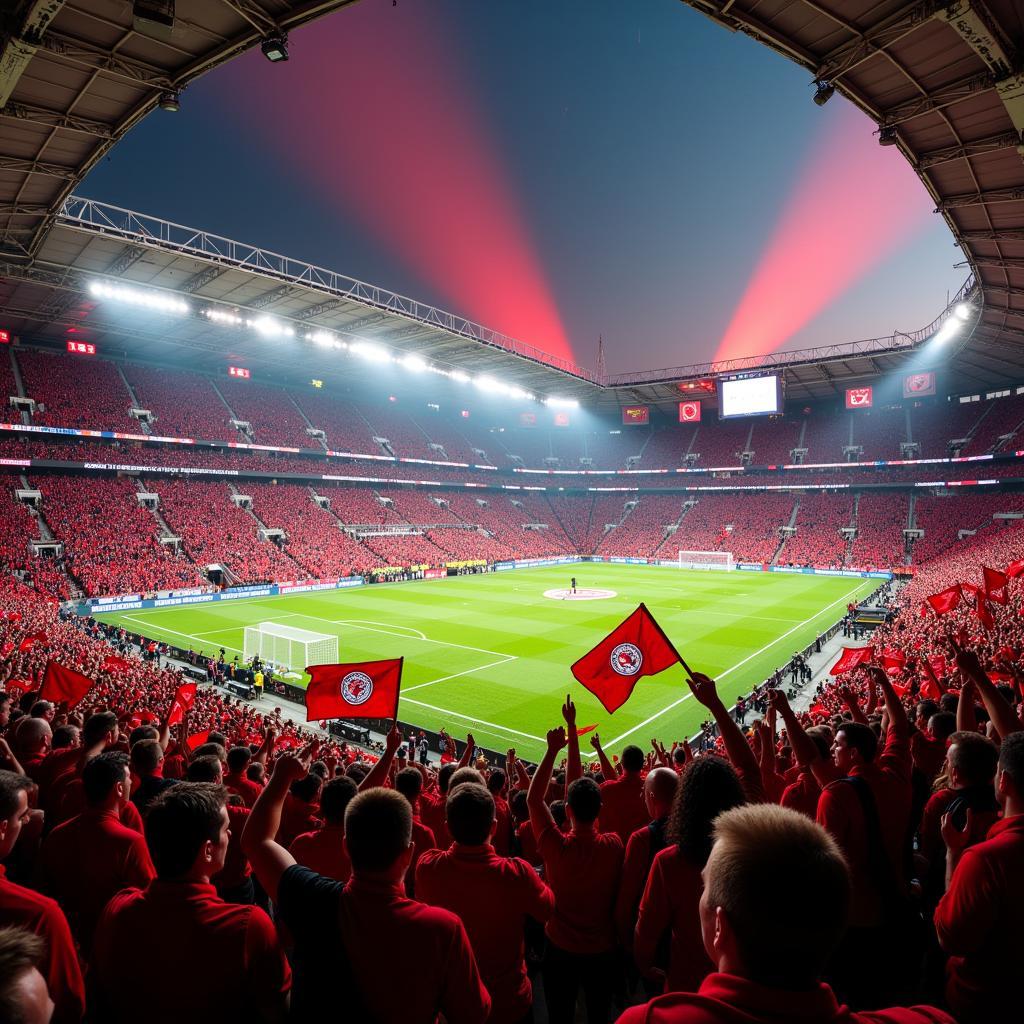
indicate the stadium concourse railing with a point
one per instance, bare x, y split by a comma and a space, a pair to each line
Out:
358, 732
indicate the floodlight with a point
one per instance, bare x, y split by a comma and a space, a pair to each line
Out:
962, 311
275, 48
887, 136
561, 403
948, 329
823, 92
462, 378
414, 363
170, 101
374, 353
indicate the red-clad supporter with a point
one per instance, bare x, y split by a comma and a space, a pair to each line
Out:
764, 862
623, 810
323, 851
147, 761
583, 869
978, 919
87, 860
37, 914
492, 896
643, 846
236, 780
223, 957
433, 805
24, 998
349, 937
409, 782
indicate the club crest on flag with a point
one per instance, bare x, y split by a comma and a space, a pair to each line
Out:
626, 659
356, 688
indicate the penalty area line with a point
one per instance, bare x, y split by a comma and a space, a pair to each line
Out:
468, 671
502, 730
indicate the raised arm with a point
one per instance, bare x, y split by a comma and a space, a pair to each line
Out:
540, 813
736, 746
896, 712
804, 750
1003, 718
269, 859
607, 768
267, 746
849, 698
467, 754
379, 773
966, 716
574, 769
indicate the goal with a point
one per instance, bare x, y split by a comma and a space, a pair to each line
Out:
288, 646
706, 560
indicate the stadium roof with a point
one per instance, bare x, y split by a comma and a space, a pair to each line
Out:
74, 77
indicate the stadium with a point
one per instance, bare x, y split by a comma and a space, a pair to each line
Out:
224, 466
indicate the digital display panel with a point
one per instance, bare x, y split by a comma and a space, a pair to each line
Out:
749, 395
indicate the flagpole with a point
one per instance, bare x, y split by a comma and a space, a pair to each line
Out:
671, 646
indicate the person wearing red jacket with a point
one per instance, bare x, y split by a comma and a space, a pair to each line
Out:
38, 914
764, 861
978, 920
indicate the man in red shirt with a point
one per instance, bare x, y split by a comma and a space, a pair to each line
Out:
492, 896
236, 779
323, 850
38, 914
87, 860
583, 870
433, 806
978, 921
644, 844
622, 799
175, 947
350, 938
770, 942
409, 783
872, 795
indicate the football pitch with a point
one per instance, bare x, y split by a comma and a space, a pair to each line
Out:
490, 654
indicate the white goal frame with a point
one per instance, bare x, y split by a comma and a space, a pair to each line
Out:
289, 646
721, 560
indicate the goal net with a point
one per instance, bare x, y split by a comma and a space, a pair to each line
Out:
288, 646
706, 560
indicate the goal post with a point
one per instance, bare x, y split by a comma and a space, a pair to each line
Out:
289, 646
706, 560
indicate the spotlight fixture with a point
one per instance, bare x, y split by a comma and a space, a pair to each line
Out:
275, 48
887, 136
170, 101
823, 92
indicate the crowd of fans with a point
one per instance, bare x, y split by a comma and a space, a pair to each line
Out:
89, 392
230, 865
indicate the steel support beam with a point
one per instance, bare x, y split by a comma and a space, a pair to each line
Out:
964, 151
47, 118
995, 195
200, 280
74, 51
937, 99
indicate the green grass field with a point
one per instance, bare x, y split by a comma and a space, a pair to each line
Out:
491, 654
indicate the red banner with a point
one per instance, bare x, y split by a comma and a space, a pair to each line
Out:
636, 414
918, 385
367, 689
527, 419
64, 684
859, 398
851, 658
689, 412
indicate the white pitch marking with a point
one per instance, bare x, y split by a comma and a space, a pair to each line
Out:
187, 636
469, 671
404, 636
479, 721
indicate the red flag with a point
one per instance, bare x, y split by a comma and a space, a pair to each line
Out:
31, 640
196, 740
946, 600
183, 698
995, 584
112, 661
893, 661
900, 691
367, 689
11, 616
817, 709
7, 648
851, 658
64, 684
636, 648
1015, 569
984, 614
1007, 654
18, 685
586, 728
938, 666
930, 689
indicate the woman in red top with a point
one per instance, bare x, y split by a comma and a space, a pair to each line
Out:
708, 787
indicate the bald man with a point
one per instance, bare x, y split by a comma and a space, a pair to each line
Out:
659, 792
32, 738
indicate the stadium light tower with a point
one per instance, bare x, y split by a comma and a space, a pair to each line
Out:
275, 47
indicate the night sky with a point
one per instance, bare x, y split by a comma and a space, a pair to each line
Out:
557, 169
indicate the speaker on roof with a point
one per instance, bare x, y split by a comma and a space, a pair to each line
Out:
153, 17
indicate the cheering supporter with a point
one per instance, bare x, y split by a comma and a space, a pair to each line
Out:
274, 417
147, 760
236, 780
38, 915
978, 919
89, 859
227, 956
623, 810
24, 998
492, 896
341, 931
184, 404
763, 859
880, 522
323, 850
583, 869
409, 782
84, 393
643, 530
